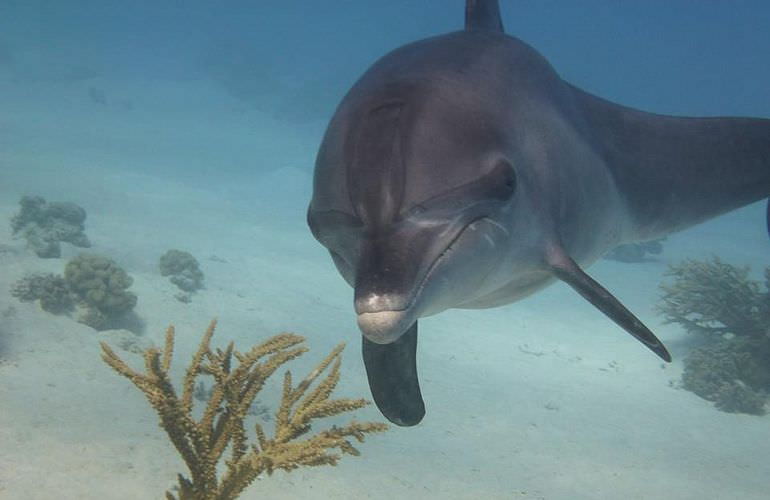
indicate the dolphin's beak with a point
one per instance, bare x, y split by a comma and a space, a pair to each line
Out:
384, 327
388, 276
405, 276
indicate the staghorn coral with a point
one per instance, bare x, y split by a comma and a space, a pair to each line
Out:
44, 225
719, 301
257, 408
203, 442
100, 286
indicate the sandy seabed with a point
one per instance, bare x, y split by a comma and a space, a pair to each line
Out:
543, 399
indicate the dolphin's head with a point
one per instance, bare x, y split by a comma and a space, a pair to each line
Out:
413, 206
439, 254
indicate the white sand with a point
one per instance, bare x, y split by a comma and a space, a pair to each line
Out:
544, 399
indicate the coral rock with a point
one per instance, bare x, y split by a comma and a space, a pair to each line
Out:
44, 225
183, 268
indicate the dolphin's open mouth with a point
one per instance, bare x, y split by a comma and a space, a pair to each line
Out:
387, 325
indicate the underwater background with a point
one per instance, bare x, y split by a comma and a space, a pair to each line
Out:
194, 126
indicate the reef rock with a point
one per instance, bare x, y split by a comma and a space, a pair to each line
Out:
45, 225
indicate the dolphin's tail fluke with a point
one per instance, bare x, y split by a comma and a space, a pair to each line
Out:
483, 15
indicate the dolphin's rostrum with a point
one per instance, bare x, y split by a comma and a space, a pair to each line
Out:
462, 171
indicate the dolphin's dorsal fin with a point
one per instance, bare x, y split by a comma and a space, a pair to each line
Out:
483, 15
567, 270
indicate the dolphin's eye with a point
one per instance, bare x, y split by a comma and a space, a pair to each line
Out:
501, 181
333, 227
498, 185
416, 210
332, 218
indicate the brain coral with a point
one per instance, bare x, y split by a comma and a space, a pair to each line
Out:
183, 268
101, 288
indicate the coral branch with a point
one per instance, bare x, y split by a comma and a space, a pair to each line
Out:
713, 297
201, 443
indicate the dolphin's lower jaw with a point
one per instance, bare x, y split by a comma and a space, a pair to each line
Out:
384, 327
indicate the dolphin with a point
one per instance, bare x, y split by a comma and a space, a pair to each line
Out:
461, 171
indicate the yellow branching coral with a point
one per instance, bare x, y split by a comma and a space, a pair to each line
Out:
203, 442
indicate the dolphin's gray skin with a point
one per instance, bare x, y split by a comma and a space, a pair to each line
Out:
461, 171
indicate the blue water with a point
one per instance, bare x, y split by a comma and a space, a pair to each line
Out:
195, 125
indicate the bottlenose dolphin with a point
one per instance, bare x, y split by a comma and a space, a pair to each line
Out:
462, 171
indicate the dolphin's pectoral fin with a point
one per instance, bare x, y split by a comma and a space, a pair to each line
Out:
392, 373
567, 270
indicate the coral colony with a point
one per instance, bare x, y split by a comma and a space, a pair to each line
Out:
45, 225
203, 442
183, 271
719, 302
93, 284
